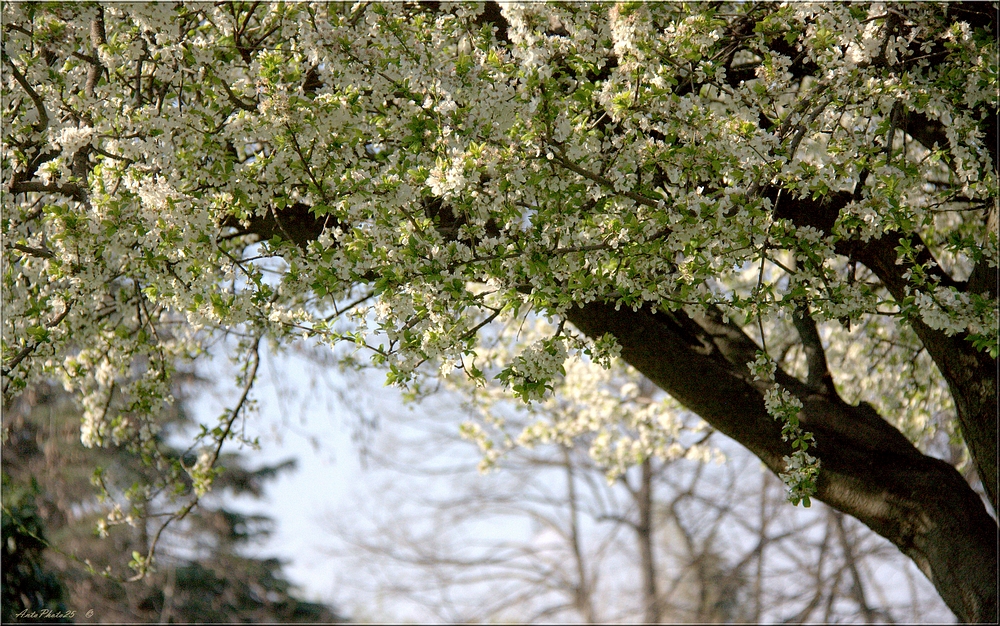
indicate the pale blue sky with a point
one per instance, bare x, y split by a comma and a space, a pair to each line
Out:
298, 416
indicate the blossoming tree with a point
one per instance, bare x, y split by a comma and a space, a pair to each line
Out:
782, 215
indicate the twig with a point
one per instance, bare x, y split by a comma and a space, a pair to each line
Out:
43, 115
44, 253
29, 349
181, 514
573, 167
235, 99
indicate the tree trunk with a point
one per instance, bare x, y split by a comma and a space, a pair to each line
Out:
644, 535
869, 469
583, 599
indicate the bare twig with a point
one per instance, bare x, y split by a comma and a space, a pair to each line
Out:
251, 376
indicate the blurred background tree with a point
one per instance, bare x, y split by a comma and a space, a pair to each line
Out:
29, 584
205, 570
546, 537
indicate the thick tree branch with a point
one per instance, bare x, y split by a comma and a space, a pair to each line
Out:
984, 279
869, 471
98, 38
69, 190
967, 371
295, 222
971, 374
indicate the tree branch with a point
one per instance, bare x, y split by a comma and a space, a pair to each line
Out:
971, 374
869, 469
98, 38
236, 99
28, 349
43, 115
69, 189
818, 376
43, 253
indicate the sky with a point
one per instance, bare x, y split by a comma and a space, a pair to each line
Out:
326, 422
298, 415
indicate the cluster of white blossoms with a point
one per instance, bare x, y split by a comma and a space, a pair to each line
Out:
612, 153
596, 400
801, 468
71, 138
536, 364
954, 312
201, 472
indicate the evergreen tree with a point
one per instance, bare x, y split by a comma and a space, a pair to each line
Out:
30, 587
201, 574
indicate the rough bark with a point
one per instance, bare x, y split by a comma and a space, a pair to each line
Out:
869, 469
971, 375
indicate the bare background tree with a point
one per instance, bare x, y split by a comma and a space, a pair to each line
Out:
546, 537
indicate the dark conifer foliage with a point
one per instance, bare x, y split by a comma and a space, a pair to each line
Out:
30, 586
51, 510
